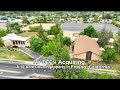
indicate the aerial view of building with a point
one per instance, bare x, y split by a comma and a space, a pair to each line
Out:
86, 48
59, 44
14, 40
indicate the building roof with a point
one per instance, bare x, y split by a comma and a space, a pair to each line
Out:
85, 44
14, 37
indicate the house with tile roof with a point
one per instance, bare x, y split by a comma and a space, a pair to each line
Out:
86, 48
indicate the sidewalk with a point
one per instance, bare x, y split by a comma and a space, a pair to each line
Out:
29, 52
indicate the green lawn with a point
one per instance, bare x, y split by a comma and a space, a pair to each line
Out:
28, 34
14, 55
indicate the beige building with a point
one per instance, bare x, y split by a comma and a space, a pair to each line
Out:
86, 48
14, 40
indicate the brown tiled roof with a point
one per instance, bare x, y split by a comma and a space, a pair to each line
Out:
84, 44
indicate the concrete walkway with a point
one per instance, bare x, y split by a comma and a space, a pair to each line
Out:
29, 52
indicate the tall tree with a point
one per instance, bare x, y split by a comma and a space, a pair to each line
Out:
36, 44
60, 38
61, 53
41, 33
104, 37
116, 43
54, 30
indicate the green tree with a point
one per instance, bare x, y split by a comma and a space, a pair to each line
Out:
25, 20
108, 16
36, 44
17, 28
90, 31
116, 43
54, 30
103, 38
49, 49
96, 18
110, 55
34, 28
67, 41
44, 19
61, 53
41, 33
13, 24
14, 28
3, 33
1, 42
60, 38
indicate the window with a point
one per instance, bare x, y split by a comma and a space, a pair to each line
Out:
88, 55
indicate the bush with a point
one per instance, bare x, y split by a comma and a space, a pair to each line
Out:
1, 42
33, 29
67, 41
3, 33
81, 75
110, 55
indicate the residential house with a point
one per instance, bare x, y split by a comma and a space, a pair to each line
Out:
86, 48
13, 20
80, 20
105, 20
90, 20
14, 40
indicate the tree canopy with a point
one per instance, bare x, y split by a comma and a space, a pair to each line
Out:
25, 20
54, 30
3, 33
36, 44
14, 28
110, 55
41, 33
103, 38
90, 31
67, 41
49, 49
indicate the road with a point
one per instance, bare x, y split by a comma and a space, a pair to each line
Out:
10, 70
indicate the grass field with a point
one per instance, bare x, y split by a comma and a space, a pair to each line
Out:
15, 55
45, 26
28, 34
